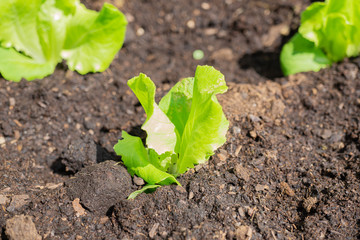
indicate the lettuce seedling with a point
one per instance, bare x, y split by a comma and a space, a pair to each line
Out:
329, 32
36, 34
183, 130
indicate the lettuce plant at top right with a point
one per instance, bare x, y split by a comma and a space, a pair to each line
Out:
329, 32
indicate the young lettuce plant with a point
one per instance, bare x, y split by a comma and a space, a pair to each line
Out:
183, 130
329, 32
36, 34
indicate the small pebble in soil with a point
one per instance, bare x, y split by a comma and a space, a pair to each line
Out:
260, 187
191, 195
138, 180
309, 203
17, 202
223, 54
7, 129
236, 130
80, 211
198, 167
2, 140
21, 227
205, 6
211, 31
254, 118
237, 151
285, 188
140, 31
253, 134
153, 230
180, 189
242, 172
222, 155
190, 24
243, 233
4, 200
326, 133
12, 102
241, 212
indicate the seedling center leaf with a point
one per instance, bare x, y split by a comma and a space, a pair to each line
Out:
36, 34
160, 130
185, 128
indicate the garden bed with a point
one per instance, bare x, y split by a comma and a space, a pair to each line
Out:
290, 168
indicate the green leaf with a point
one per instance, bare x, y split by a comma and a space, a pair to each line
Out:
334, 27
33, 34
94, 38
15, 66
162, 161
36, 30
312, 21
331, 29
136, 159
176, 104
341, 38
52, 19
301, 55
18, 27
206, 126
160, 130
146, 188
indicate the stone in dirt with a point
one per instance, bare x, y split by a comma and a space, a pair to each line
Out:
21, 227
242, 172
18, 201
4, 200
138, 180
100, 186
80, 211
243, 233
285, 188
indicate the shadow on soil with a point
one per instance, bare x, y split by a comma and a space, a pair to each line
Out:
80, 153
102, 155
266, 63
3, 235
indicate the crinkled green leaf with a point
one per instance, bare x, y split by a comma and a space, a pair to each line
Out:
331, 29
136, 159
94, 38
160, 130
52, 19
342, 40
15, 66
334, 27
301, 55
18, 27
312, 21
206, 126
36, 29
176, 104
348, 8
34, 33
162, 161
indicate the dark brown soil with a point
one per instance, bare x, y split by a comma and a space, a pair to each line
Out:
289, 170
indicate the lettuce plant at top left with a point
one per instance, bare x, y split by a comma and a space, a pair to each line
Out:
35, 35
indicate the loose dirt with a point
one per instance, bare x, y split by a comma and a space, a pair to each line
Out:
290, 168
